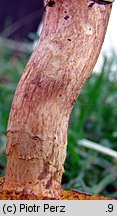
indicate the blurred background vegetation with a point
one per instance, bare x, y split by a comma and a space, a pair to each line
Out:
94, 118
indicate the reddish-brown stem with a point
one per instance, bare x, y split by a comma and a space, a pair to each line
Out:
66, 53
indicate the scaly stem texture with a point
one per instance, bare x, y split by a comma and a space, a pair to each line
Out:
66, 53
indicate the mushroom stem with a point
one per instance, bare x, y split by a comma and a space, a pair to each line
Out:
65, 55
